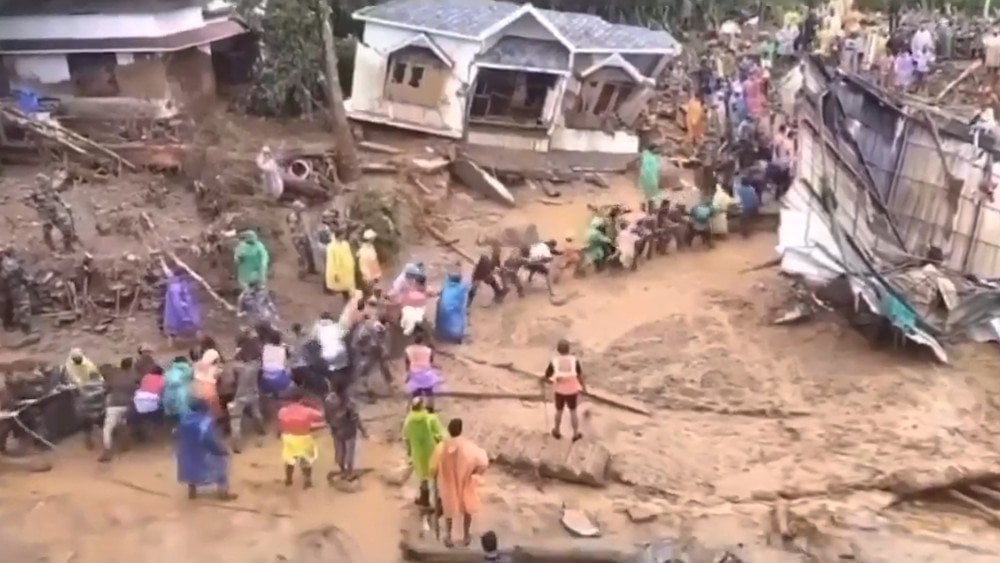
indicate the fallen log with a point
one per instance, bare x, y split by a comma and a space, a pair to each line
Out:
302, 187
991, 515
378, 147
599, 395
483, 395
53, 130
151, 227
965, 74
577, 551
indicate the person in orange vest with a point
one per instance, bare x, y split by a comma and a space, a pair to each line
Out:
567, 378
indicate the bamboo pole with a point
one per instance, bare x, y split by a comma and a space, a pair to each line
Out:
183, 265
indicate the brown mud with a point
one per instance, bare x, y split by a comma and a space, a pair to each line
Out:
743, 412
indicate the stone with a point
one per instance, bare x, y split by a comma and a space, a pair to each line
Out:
396, 476
430, 165
642, 513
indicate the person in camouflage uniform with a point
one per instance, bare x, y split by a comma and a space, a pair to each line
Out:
55, 213
16, 295
301, 240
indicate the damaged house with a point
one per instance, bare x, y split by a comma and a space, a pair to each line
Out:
169, 52
506, 75
894, 208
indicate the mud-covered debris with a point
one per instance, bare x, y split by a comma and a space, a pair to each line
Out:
378, 147
578, 523
642, 513
430, 165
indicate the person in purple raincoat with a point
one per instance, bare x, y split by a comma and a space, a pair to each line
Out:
181, 311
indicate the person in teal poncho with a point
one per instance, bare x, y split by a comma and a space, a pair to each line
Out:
649, 174
177, 391
598, 243
252, 260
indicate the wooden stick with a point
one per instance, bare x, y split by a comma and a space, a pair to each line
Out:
17, 420
991, 514
986, 491
953, 83
231, 507
201, 281
598, 395
781, 519
448, 243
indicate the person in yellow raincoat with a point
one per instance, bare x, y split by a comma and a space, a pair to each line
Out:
695, 115
340, 266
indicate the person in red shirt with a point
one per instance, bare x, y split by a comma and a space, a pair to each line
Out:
295, 424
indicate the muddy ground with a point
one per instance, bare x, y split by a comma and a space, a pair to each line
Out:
743, 412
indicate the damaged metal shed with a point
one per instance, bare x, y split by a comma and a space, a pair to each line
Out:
895, 198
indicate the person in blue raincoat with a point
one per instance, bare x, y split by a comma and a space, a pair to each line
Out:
202, 458
453, 309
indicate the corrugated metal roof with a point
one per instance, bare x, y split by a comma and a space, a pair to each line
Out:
524, 52
473, 17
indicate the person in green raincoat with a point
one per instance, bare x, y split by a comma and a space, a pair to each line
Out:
252, 260
597, 243
422, 430
649, 174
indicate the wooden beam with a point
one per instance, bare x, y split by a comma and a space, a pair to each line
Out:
597, 394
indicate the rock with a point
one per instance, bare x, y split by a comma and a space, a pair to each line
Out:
103, 229
346, 486
579, 523
396, 476
596, 179
378, 147
430, 165
642, 513
28, 464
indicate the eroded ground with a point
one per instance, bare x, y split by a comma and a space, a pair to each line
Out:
743, 412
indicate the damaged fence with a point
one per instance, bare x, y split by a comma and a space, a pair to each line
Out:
897, 199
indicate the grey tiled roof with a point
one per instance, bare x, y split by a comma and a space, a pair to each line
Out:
523, 52
473, 17
465, 17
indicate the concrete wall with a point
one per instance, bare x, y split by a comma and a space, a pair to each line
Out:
507, 138
91, 26
186, 77
371, 61
617, 142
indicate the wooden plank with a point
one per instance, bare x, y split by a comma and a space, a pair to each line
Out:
595, 393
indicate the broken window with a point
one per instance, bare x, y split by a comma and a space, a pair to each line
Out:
398, 73
93, 74
509, 96
598, 104
417, 76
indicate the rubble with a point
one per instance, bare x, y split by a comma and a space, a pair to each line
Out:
473, 176
869, 204
585, 462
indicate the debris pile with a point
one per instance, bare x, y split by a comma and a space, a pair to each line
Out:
869, 206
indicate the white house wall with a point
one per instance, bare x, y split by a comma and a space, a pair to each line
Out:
38, 69
367, 101
96, 26
589, 140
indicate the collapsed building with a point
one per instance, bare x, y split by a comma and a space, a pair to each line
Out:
506, 75
894, 200
90, 56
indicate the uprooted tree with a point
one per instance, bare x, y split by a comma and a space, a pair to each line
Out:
298, 69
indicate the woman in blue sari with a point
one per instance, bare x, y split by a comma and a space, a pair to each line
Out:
202, 458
